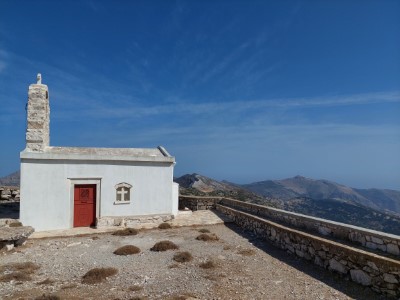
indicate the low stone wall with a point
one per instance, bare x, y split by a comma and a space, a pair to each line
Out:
9, 193
382, 274
133, 221
197, 202
370, 239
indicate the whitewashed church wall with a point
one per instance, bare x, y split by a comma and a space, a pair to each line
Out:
46, 190
175, 198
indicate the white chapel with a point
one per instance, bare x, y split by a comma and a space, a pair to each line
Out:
66, 187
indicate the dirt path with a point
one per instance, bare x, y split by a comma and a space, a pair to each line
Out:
245, 268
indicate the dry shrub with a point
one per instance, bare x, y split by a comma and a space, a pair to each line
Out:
127, 250
203, 230
209, 264
19, 271
247, 252
15, 224
227, 247
138, 298
26, 267
47, 297
98, 275
164, 246
135, 288
164, 226
16, 276
207, 237
183, 257
46, 281
126, 232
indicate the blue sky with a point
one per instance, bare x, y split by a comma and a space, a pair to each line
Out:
237, 90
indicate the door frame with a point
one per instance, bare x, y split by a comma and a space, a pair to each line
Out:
78, 181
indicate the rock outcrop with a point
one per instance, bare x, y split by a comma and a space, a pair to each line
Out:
11, 237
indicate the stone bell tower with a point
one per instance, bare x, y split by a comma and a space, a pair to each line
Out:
38, 117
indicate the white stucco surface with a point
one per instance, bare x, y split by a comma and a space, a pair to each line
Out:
46, 189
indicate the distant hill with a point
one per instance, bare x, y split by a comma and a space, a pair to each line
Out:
369, 208
199, 185
302, 187
10, 180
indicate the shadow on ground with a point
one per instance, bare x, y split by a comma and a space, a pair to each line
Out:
335, 281
9, 210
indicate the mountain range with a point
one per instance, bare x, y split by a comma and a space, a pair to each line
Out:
11, 179
302, 187
377, 209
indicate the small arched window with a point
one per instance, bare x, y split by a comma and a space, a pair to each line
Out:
123, 193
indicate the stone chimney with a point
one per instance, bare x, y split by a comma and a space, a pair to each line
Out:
38, 117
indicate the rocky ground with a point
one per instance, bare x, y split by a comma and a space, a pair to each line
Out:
241, 267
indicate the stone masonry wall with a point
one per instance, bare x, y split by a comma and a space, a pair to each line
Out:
197, 202
370, 239
9, 193
38, 118
381, 274
133, 221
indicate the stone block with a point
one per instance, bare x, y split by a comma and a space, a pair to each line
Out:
14, 236
372, 265
360, 277
325, 248
318, 261
337, 266
343, 262
36, 124
376, 240
390, 278
324, 230
34, 146
382, 247
273, 233
322, 254
299, 253
371, 245
34, 135
357, 237
290, 248
393, 249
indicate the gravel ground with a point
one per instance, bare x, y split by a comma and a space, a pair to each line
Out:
245, 268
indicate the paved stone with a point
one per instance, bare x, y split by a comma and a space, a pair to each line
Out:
200, 217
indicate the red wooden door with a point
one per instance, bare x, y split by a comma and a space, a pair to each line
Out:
84, 205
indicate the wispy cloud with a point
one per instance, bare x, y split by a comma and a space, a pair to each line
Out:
141, 109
